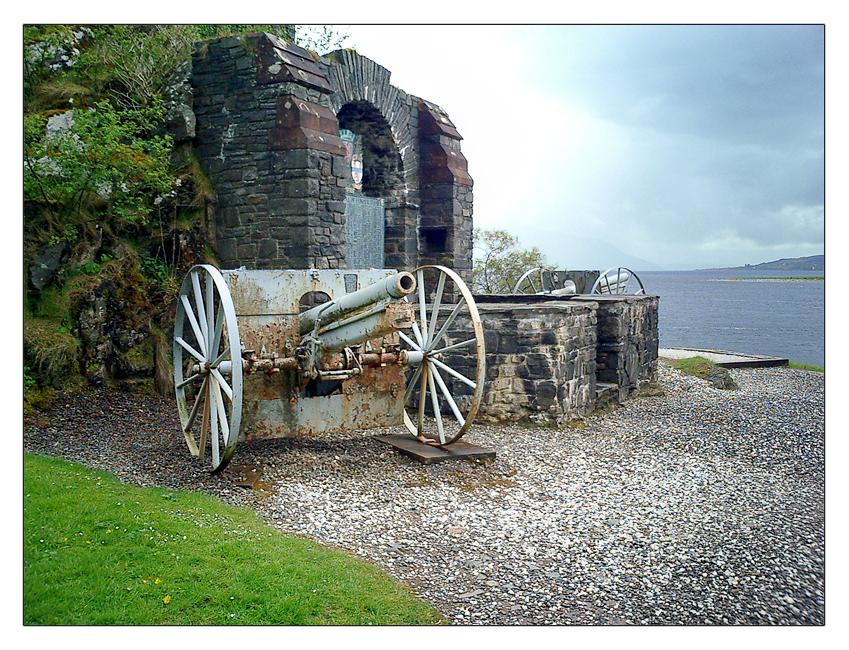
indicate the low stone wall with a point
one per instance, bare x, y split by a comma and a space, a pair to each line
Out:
627, 339
540, 361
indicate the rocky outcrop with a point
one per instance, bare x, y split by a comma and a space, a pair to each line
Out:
46, 263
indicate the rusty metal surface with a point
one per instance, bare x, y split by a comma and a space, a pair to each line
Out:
277, 402
274, 406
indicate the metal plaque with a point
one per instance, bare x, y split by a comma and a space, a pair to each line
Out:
364, 231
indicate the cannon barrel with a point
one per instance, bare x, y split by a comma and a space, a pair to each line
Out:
372, 324
395, 286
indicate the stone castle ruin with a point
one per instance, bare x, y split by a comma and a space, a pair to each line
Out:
320, 162
279, 132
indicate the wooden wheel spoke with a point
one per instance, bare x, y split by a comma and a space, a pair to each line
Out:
437, 413
200, 307
422, 398
223, 383
194, 412
437, 300
411, 385
193, 322
447, 394
213, 428
454, 346
221, 357
418, 334
222, 413
204, 427
454, 373
422, 306
197, 355
219, 324
189, 380
449, 321
210, 315
409, 341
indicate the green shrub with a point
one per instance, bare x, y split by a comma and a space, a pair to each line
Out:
108, 156
29, 380
90, 268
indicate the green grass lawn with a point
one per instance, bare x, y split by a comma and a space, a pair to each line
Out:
97, 551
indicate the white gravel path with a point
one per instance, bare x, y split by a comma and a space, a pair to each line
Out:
701, 506
698, 506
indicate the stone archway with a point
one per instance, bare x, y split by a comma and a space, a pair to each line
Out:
375, 187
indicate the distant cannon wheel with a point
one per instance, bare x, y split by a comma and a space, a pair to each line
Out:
208, 366
447, 356
530, 282
618, 280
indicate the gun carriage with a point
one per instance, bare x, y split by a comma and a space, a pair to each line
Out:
262, 354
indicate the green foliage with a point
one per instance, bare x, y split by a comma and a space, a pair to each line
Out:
320, 38
135, 63
499, 261
43, 44
203, 32
90, 268
101, 552
155, 269
799, 365
29, 380
108, 157
68, 234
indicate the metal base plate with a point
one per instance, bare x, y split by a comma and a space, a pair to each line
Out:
430, 454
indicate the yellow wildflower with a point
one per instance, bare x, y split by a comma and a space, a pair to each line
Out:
157, 581
166, 599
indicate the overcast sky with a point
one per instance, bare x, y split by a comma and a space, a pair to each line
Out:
660, 147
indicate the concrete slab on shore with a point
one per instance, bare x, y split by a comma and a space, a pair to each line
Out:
724, 358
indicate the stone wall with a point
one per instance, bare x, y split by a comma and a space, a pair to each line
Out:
627, 340
271, 151
267, 116
540, 361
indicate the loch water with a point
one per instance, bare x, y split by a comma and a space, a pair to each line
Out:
717, 309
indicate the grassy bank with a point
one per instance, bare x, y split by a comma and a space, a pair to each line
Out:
798, 365
97, 551
696, 366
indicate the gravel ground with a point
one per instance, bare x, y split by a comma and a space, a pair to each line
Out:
700, 506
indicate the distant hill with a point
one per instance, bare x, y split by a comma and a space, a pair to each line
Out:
810, 263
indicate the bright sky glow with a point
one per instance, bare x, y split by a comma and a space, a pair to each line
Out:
658, 147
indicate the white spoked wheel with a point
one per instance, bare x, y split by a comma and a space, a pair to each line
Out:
449, 365
618, 280
208, 366
530, 282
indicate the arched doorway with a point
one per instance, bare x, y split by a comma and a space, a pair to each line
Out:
375, 188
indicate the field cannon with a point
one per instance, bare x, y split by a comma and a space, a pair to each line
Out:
262, 354
618, 280
541, 281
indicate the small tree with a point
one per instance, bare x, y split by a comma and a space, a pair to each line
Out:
499, 261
